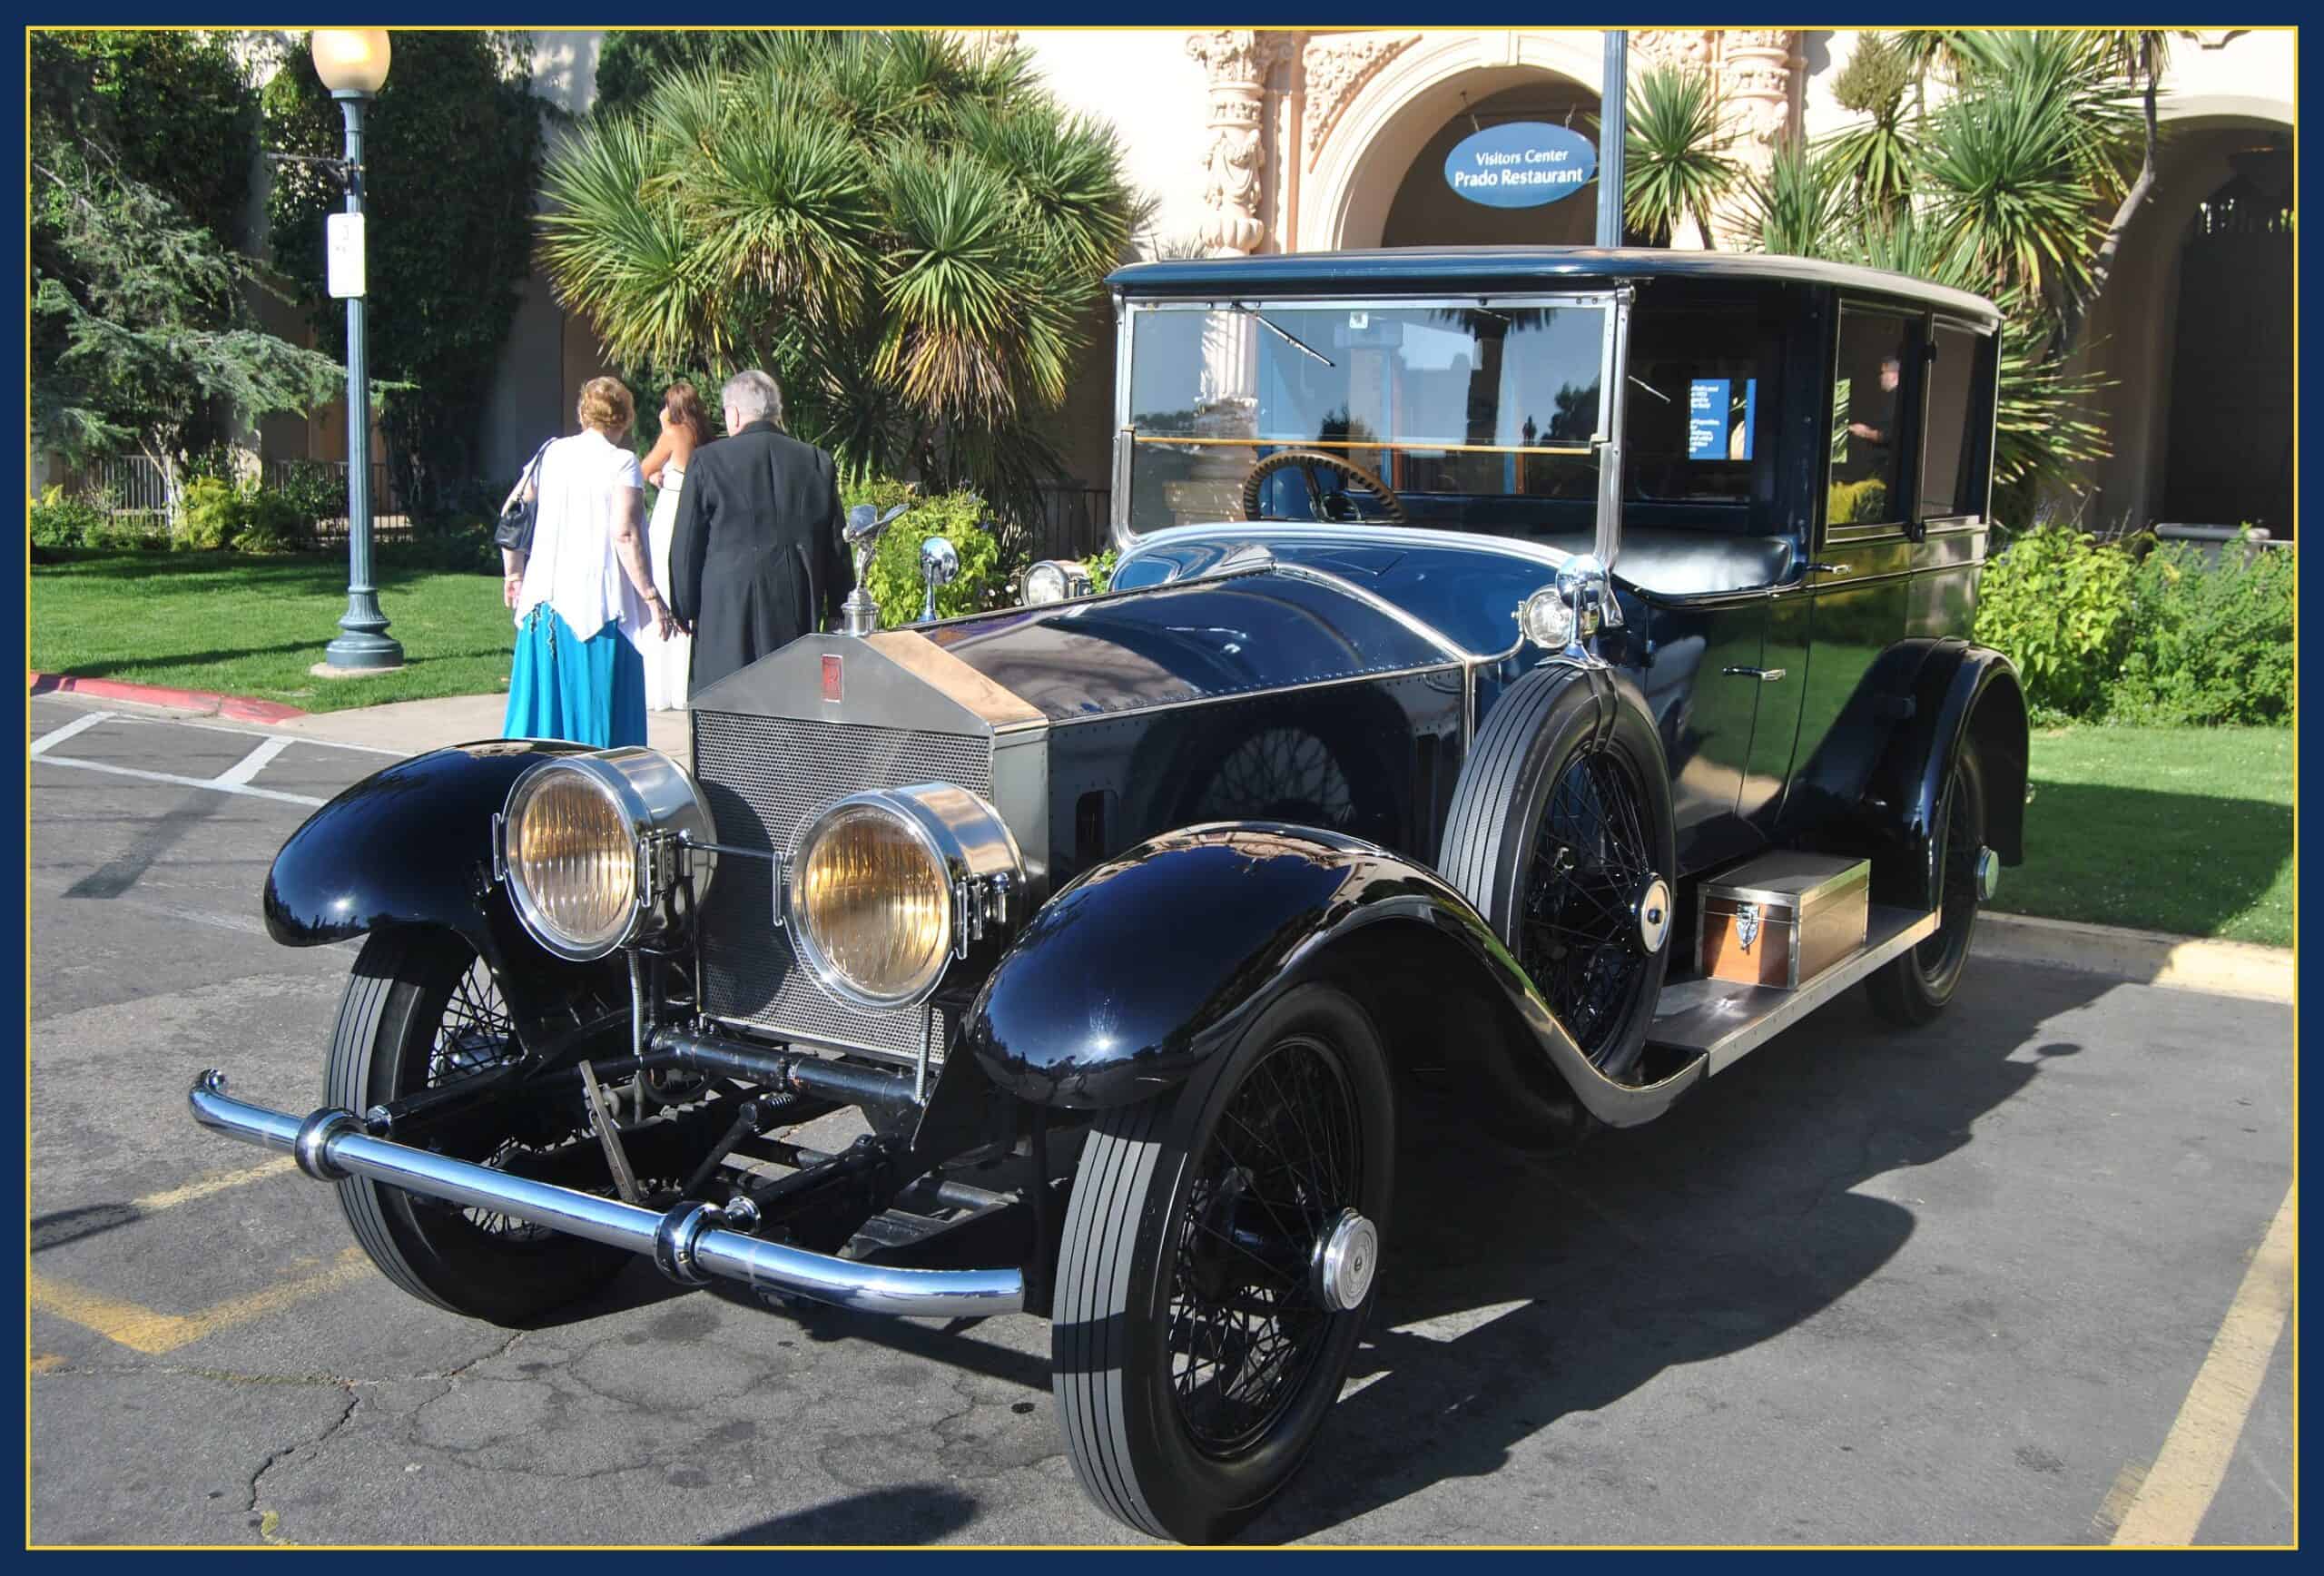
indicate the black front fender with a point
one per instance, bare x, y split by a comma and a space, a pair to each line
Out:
412, 845
1152, 962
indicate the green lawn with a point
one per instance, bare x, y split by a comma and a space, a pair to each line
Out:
2187, 830
253, 627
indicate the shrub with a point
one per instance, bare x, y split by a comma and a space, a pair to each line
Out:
960, 519
212, 514
1101, 571
2211, 642
269, 521
56, 520
1862, 502
315, 489
2058, 605
131, 530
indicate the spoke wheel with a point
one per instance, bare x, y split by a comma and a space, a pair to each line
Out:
422, 1010
1560, 832
1580, 926
1218, 1266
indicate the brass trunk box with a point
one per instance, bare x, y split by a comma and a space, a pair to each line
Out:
1784, 918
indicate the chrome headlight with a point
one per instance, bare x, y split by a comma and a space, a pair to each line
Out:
1054, 580
591, 846
886, 888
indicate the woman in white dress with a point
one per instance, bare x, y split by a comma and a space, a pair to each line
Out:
684, 425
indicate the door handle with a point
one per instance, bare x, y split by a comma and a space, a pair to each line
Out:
1840, 569
1764, 675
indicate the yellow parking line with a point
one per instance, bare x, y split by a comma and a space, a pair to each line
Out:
2169, 1506
218, 1182
141, 1329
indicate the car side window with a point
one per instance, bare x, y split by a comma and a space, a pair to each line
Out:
1869, 410
1960, 414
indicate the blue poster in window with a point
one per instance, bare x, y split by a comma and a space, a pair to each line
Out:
1718, 424
1707, 418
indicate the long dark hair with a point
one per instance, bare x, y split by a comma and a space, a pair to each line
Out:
682, 398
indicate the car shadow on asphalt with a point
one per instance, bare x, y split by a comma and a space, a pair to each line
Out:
1584, 1276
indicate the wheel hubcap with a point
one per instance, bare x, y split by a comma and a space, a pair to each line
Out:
1988, 874
1651, 912
1345, 1256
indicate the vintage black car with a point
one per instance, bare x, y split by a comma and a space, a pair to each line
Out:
1545, 669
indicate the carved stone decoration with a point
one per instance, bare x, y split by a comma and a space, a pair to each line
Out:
1688, 47
1761, 71
1337, 70
1238, 60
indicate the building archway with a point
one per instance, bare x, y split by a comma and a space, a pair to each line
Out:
1377, 139
1425, 211
2172, 365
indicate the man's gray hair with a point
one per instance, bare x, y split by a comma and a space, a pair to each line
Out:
754, 397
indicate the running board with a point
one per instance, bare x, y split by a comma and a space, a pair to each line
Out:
1724, 1020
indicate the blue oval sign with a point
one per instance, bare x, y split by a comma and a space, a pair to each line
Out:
1522, 165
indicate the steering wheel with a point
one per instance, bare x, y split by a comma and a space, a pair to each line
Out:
1335, 505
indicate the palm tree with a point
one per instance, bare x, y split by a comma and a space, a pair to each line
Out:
1674, 153
905, 227
2035, 135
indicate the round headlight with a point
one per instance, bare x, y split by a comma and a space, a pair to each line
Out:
575, 842
1546, 619
885, 888
1046, 582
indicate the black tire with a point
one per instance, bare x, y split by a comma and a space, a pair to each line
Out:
1913, 990
420, 1007
1140, 1311
1540, 785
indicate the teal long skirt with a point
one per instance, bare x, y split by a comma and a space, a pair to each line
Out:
592, 692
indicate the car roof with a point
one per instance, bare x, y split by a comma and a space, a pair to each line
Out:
1506, 268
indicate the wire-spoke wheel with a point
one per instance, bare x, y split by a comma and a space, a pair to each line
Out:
1915, 989
422, 1010
1561, 834
1219, 1259
1580, 927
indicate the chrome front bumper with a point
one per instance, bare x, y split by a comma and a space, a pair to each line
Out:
690, 1244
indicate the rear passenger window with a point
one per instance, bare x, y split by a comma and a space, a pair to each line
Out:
1869, 409
1957, 417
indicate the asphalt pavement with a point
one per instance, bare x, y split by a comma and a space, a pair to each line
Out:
1964, 1284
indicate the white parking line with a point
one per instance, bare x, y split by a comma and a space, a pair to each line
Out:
212, 783
55, 736
251, 764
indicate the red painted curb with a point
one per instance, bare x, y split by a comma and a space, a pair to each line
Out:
235, 708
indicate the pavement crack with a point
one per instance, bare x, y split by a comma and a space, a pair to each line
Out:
269, 1520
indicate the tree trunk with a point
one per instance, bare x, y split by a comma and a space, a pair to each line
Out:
2101, 267
160, 448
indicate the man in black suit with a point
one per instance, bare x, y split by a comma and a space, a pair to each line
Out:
756, 554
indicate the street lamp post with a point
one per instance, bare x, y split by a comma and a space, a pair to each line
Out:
1613, 123
352, 62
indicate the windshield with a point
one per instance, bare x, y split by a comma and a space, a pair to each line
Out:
1453, 407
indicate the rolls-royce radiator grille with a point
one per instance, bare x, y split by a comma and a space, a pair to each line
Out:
765, 777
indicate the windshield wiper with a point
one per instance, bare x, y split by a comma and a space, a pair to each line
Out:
1288, 338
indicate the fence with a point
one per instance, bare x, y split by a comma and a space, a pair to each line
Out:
132, 483
1075, 522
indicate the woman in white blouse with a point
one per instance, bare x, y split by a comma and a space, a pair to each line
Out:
584, 597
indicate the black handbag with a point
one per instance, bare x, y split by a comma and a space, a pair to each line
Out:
514, 532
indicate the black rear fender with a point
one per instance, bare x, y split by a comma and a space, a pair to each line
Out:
1152, 963
412, 845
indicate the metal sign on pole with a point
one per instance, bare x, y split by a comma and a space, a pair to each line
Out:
1613, 99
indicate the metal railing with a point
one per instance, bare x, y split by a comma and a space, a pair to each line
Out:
1075, 523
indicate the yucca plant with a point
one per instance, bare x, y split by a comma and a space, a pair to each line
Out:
1799, 206
2018, 159
903, 226
1675, 163
1877, 156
